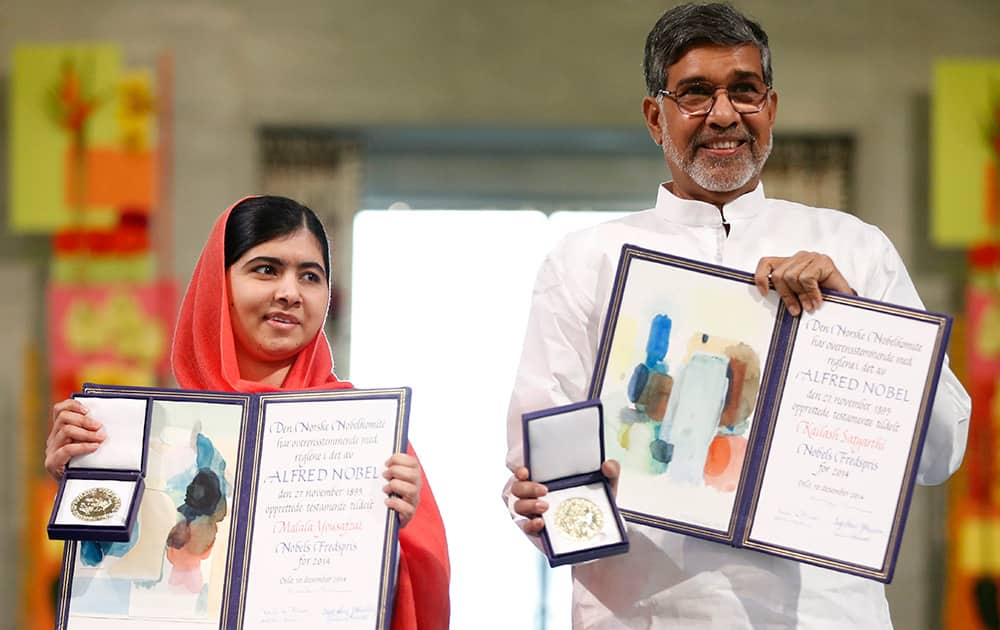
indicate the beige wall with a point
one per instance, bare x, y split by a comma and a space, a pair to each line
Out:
850, 66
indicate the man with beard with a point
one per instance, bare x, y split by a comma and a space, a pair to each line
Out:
711, 105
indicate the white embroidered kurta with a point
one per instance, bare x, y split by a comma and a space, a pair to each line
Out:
668, 580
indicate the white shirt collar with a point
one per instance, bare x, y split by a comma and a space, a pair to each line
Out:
701, 213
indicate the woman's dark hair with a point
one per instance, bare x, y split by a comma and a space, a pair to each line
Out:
688, 25
260, 219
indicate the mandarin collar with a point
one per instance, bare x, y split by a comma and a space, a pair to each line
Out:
700, 213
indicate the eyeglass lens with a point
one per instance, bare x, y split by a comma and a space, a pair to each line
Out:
746, 96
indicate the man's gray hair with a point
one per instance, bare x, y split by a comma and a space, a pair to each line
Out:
688, 25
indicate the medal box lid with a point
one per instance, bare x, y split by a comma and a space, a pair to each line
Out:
564, 442
125, 421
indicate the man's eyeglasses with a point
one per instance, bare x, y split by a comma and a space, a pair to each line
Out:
747, 96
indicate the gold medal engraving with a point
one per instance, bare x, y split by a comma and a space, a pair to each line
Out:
95, 504
579, 518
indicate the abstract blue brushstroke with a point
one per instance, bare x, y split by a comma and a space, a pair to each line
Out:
92, 552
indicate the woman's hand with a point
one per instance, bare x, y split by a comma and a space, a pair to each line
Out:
403, 473
73, 433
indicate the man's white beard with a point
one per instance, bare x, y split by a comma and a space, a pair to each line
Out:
719, 174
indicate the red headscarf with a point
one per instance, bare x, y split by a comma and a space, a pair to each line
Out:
203, 357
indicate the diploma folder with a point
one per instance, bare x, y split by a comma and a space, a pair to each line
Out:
259, 511
738, 423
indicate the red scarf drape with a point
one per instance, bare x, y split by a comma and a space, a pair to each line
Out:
203, 357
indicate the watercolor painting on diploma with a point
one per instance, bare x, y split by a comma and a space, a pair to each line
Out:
680, 388
174, 566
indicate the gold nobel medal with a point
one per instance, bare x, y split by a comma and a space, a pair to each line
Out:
95, 504
578, 518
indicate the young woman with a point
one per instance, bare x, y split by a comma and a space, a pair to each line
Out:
252, 321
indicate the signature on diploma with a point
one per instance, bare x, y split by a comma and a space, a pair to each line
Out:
847, 528
798, 516
347, 613
283, 614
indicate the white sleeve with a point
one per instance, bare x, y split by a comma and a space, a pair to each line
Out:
948, 429
557, 356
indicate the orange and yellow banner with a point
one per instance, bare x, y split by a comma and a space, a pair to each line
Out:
81, 138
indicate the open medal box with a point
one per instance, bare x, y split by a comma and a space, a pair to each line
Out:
564, 449
100, 492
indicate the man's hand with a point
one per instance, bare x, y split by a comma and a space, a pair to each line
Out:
799, 278
612, 470
529, 503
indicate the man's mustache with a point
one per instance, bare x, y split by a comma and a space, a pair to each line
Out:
741, 134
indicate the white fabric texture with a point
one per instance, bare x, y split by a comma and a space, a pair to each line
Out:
669, 580
565, 444
124, 423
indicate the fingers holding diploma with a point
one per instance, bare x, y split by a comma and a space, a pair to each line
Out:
403, 487
799, 278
